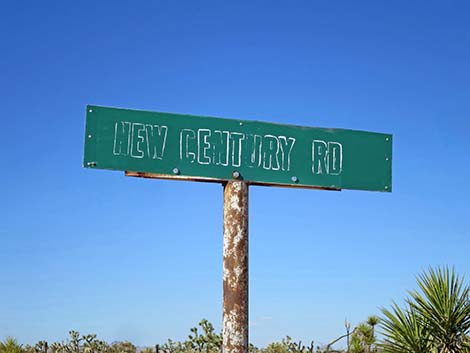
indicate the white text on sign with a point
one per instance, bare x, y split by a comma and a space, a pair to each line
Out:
224, 148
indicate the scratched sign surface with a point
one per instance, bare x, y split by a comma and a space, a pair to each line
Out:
212, 149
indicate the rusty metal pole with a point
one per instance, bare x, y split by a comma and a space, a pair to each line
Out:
235, 310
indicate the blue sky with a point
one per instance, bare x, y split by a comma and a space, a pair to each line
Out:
141, 260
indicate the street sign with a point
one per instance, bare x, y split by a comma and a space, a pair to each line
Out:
167, 145
237, 153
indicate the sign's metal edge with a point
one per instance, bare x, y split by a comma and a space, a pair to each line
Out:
221, 181
255, 183
90, 153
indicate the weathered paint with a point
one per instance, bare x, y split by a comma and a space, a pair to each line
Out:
235, 274
204, 148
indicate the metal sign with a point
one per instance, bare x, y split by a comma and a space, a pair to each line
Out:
203, 148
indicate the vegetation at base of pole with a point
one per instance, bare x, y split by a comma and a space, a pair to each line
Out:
435, 318
202, 339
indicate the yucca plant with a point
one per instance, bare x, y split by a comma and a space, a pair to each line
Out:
436, 318
404, 331
443, 301
10, 346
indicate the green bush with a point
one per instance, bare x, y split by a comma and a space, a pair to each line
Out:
434, 319
10, 346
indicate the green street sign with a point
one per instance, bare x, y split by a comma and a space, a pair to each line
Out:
176, 146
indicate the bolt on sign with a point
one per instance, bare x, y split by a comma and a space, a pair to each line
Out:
176, 146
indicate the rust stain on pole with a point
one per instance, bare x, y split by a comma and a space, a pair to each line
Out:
235, 310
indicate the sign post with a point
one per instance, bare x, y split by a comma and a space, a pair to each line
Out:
236, 153
235, 306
